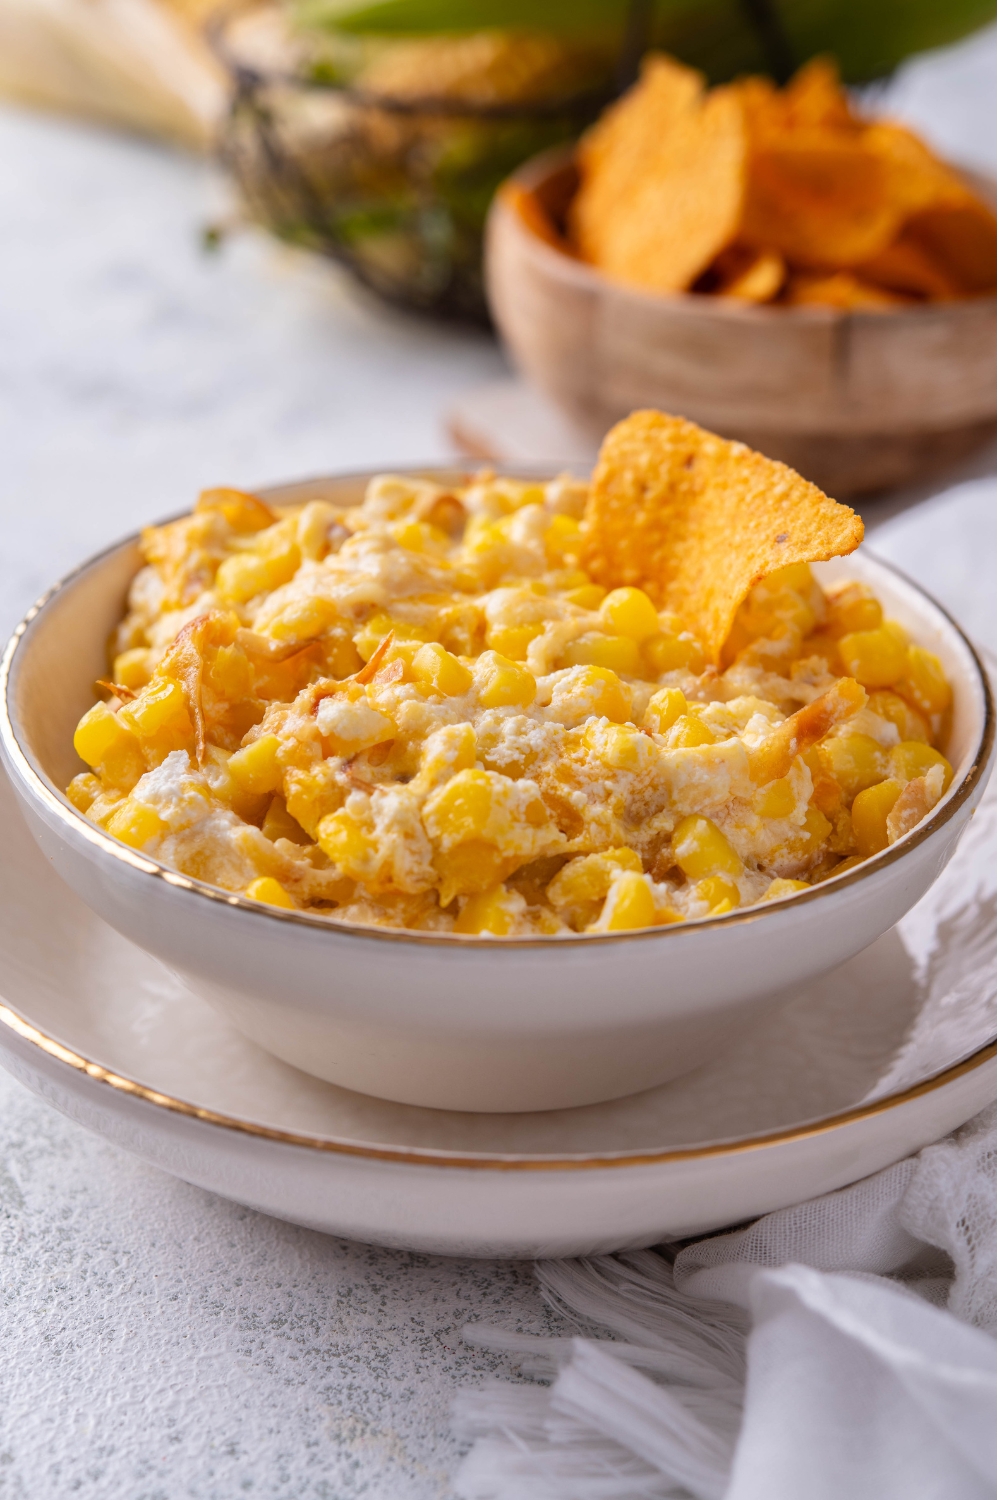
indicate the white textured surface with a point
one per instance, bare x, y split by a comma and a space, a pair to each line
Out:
159, 1343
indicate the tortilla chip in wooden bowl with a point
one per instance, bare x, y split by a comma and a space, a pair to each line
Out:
765, 261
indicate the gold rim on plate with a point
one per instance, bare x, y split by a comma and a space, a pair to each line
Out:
425, 1157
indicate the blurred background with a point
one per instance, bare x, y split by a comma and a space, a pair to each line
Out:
245, 244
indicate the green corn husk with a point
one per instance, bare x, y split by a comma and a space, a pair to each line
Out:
867, 37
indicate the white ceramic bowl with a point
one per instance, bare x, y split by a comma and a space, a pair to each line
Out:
481, 1024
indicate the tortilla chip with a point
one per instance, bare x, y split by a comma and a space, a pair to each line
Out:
750, 277
676, 183
820, 199
836, 197
662, 180
961, 237
843, 289
616, 152
696, 521
814, 97
915, 178
526, 206
905, 266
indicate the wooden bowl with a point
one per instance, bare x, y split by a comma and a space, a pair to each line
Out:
856, 401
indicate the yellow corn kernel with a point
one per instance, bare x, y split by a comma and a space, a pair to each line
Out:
664, 709
461, 809
310, 795
441, 670
795, 576
316, 529
613, 744
84, 790
618, 653
776, 800
418, 536
869, 812
271, 892
772, 606
482, 535
875, 658
255, 768
280, 548
527, 494
135, 823
778, 889
853, 609
160, 706
815, 831
630, 612
403, 651
895, 710
825, 646
673, 653
229, 673
241, 577
243, 512
501, 683
595, 692
720, 895
373, 632
701, 848
589, 876
246, 805
562, 538
827, 793
841, 868
488, 912
688, 731
923, 682
587, 596
131, 668
622, 855
912, 758
446, 751
304, 619
349, 724
855, 761
629, 904
98, 732
345, 842
469, 868
279, 824
513, 641
342, 658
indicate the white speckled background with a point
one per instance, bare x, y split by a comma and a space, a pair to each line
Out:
159, 1343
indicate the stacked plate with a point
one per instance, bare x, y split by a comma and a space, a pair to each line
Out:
865, 1065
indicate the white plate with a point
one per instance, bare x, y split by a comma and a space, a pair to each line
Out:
112, 1039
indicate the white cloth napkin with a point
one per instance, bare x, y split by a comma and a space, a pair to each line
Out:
832, 1351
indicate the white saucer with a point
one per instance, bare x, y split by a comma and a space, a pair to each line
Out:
115, 1041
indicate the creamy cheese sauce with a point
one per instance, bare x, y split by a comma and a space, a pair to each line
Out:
421, 713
